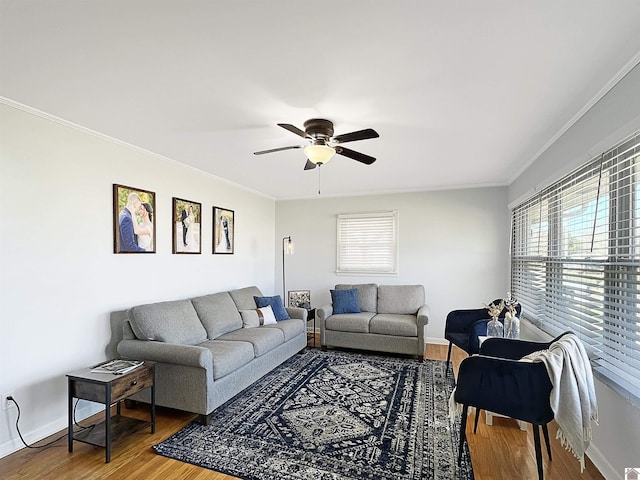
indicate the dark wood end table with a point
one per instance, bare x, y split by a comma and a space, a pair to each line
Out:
109, 389
311, 315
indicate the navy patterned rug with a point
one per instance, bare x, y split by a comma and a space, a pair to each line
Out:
333, 415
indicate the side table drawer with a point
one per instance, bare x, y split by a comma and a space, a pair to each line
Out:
131, 383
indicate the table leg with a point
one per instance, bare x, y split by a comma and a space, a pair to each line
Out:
70, 414
107, 424
153, 402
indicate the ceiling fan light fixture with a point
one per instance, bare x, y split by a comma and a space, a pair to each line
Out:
319, 153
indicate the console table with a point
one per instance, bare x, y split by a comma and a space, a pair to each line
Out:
109, 389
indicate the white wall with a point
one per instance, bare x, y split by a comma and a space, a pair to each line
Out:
613, 118
616, 441
59, 280
453, 242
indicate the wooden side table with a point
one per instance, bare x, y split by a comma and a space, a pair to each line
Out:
109, 389
311, 315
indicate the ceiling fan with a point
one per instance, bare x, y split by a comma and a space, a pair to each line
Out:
323, 145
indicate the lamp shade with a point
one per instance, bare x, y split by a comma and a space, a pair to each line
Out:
319, 154
288, 247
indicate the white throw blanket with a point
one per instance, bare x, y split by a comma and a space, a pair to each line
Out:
573, 398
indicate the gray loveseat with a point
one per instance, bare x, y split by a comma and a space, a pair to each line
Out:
392, 318
205, 356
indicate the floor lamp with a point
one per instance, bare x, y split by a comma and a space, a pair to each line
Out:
287, 249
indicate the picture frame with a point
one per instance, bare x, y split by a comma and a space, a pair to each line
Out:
223, 231
134, 213
186, 226
299, 298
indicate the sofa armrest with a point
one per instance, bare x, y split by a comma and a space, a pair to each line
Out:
297, 312
324, 312
189, 355
423, 315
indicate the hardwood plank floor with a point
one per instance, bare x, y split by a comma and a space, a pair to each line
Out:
498, 452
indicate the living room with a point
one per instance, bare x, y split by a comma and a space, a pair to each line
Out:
61, 280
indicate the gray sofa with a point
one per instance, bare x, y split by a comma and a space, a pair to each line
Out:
205, 356
392, 319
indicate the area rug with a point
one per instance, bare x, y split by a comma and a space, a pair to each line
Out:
333, 415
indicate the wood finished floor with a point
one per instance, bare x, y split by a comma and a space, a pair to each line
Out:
498, 452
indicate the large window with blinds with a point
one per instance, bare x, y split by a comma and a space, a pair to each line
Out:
576, 260
368, 243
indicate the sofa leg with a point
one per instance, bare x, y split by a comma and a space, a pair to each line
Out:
303, 351
421, 358
204, 419
323, 348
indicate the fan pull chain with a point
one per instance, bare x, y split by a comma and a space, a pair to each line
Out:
319, 165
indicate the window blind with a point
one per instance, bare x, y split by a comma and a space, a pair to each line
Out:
576, 260
367, 243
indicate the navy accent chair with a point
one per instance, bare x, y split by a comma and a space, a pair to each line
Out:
463, 327
496, 381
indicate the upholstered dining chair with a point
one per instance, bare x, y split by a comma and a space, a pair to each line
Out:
496, 381
463, 327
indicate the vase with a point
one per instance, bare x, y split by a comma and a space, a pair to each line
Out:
495, 328
512, 327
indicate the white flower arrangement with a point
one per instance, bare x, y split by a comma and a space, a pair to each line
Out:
512, 305
493, 309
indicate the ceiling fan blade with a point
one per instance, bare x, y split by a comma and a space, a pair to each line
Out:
294, 129
261, 152
359, 157
309, 165
353, 136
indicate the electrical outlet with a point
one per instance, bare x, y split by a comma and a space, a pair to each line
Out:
6, 403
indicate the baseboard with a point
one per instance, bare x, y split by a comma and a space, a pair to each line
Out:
40, 433
436, 341
602, 464
15, 444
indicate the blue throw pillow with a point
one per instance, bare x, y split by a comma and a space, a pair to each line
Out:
276, 305
345, 301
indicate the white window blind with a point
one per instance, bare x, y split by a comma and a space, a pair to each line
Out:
576, 260
368, 243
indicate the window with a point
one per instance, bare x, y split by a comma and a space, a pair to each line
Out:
575, 262
368, 243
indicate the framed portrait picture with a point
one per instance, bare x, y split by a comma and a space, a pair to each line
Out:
223, 230
186, 221
300, 298
134, 228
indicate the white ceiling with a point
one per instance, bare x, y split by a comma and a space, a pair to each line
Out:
463, 93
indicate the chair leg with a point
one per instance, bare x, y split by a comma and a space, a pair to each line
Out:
536, 441
545, 430
463, 427
475, 423
449, 354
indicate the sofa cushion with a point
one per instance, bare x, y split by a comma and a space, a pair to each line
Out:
228, 356
349, 322
290, 328
401, 299
276, 304
218, 314
367, 295
257, 317
263, 339
243, 297
393, 324
345, 301
170, 322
